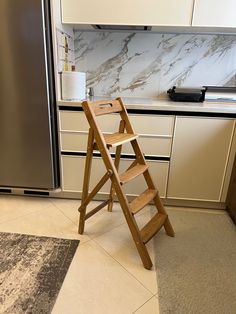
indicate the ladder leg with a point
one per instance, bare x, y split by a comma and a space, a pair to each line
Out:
134, 229
142, 250
87, 173
112, 190
117, 163
167, 225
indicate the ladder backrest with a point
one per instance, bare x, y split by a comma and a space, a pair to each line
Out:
105, 107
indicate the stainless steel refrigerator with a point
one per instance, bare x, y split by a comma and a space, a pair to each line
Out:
28, 140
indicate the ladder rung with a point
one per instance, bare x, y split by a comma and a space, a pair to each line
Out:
152, 227
132, 173
116, 139
142, 200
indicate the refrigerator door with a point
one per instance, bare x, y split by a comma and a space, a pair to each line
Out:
27, 140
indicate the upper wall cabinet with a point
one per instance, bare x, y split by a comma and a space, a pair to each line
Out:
132, 12
212, 13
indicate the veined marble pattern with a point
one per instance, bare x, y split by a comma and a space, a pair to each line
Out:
146, 65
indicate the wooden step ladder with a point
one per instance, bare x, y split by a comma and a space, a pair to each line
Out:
98, 141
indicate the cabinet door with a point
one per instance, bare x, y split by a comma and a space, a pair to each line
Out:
132, 12
73, 175
199, 158
214, 13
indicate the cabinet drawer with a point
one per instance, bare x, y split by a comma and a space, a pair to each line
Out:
142, 124
152, 124
77, 121
76, 142
155, 146
72, 121
73, 174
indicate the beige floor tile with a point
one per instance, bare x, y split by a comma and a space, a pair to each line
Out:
150, 307
12, 207
119, 244
101, 222
96, 284
48, 221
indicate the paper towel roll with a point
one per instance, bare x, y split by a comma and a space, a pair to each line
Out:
73, 85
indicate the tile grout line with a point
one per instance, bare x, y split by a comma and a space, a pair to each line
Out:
123, 267
61, 211
143, 304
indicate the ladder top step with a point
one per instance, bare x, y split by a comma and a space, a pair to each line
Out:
132, 173
152, 227
142, 200
116, 139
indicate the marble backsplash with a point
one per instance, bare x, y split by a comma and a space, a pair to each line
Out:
146, 65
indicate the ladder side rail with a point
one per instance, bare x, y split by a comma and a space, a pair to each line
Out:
129, 129
136, 146
116, 163
168, 227
87, 173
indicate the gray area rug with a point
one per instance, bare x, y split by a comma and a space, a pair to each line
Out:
196, 270
32, 270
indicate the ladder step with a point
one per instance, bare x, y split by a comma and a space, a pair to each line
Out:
142, 200
132, 173
152, 227
117, 139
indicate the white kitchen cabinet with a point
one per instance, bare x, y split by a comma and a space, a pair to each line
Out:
201, 148
211, 13
132, 12
196, 165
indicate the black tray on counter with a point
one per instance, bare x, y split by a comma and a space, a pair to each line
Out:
187, 94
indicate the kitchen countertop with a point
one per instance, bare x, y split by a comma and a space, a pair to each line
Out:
166, 105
